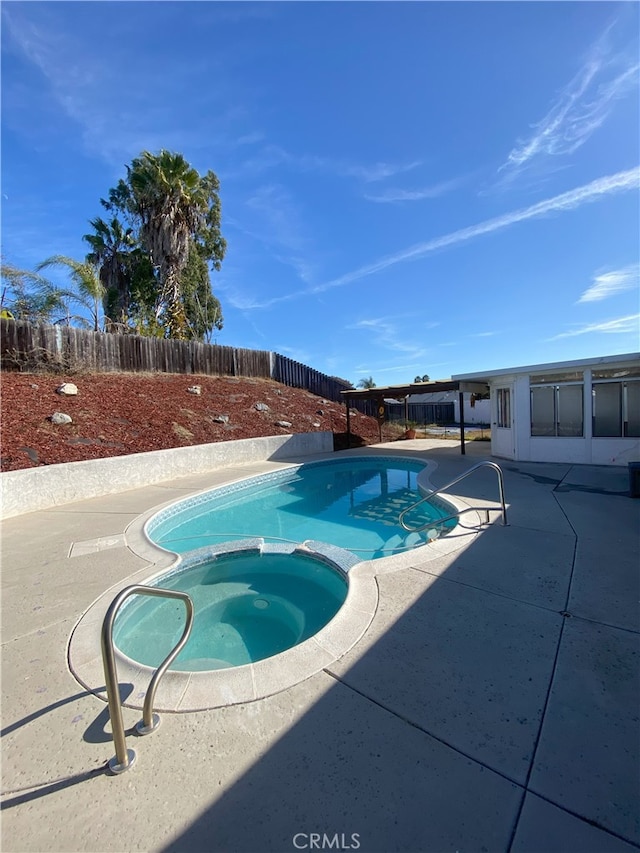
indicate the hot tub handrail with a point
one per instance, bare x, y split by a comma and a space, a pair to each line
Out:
124, 758
485, 464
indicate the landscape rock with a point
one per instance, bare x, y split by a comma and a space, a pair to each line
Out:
262, 407
181, 432
220, 419
31, 453
284, 424
320, 412
60, 418
195, 389
68, 389
315, 424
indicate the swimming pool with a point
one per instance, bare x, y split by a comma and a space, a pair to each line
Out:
371, 490
352, 503
249, 605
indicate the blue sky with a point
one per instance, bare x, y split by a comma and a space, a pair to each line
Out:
407, 188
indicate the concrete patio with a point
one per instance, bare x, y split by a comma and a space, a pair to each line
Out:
492, 704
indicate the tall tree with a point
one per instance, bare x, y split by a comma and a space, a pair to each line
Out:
112, 251
202, 309
143, 291
175, 208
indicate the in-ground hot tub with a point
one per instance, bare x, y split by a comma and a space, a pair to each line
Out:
249, 605
267, 616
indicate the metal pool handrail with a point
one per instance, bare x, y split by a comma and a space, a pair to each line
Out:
435, 492
124, 758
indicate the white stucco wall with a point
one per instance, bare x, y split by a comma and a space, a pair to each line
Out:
478, 414
53, 485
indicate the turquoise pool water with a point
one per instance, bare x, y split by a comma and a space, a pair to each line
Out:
351, 503
247, 606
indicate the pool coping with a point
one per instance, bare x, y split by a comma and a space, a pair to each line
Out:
181, 691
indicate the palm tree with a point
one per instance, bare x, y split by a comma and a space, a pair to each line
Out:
89, 290
29, 296
367, 383
174, 205
111, 248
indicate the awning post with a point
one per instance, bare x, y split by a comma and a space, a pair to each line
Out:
346, 399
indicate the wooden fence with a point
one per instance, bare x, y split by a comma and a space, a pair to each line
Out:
64, 348
24, 346
297, 375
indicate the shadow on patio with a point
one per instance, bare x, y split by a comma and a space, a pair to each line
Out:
485, 709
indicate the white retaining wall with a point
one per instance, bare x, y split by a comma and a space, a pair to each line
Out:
52, 485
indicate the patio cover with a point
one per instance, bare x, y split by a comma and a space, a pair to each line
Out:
403, 392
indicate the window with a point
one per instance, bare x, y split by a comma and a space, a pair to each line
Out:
631, 409
504, 408
543, 411
569, 409
616, 409
557, 410
607, 409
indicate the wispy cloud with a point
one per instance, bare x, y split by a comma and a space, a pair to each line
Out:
596, 190
236, 297
406, 369
375, 172
388, 335
280, 229
88, 90
398, 368
73, 75
301, 355
581, 107
250, 138
611, 283
435, 191
273, 156
620, 326
586, 194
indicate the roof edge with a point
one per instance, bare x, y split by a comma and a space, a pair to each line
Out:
623, 358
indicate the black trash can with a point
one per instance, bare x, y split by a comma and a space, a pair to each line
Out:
634, 479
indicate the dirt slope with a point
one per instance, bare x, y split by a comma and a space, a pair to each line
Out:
119, 413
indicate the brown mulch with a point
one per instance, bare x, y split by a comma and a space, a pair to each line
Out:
119, 413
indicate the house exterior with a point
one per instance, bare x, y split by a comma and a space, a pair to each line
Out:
585, 411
